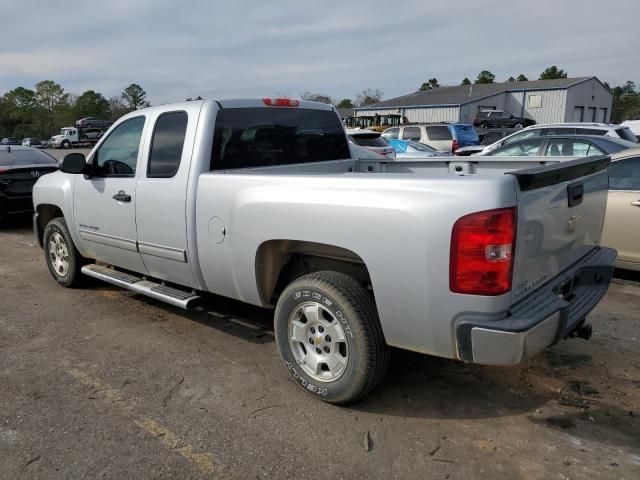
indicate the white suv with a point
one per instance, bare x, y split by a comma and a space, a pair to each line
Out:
606, 129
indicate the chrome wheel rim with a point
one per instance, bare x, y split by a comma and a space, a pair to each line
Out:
59, 254
318, 342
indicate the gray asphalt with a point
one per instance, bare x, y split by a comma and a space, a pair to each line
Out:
100, 383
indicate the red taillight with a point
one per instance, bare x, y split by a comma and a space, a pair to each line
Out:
281, 102
482, 248
454, 146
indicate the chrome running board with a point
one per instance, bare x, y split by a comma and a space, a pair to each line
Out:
158, 291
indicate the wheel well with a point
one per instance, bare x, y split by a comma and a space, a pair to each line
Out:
279, 262
46, 213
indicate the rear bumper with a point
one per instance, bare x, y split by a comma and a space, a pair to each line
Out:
542, 318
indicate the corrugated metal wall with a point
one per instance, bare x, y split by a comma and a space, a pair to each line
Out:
422, 115
544, 106
588, 95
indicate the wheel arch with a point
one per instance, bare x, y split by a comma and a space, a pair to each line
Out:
280, 261
45, 212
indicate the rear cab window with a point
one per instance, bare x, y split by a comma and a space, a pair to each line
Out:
261, 137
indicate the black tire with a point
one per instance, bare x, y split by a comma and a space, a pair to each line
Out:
66, 145
354, 307
519, 126
484, 126
71, 276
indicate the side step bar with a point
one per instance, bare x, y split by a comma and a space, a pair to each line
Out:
173, 296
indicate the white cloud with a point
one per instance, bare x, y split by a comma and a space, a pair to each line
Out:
242, 48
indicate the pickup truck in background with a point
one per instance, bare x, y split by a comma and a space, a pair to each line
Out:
263, 201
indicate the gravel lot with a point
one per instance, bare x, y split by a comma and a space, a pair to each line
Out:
99, 382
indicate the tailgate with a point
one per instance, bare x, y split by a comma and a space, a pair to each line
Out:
561, 211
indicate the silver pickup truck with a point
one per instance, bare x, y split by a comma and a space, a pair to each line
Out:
263, 201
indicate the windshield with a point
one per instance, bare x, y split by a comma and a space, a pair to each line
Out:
65, 131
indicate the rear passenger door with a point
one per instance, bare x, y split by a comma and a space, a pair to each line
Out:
161, 207
622, 220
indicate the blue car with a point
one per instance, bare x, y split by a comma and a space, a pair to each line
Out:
412, 149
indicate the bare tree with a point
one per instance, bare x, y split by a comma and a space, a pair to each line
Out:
369, 96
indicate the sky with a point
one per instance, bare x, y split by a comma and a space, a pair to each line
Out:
231, 49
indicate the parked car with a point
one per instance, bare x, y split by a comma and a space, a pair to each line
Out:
31, 142
564, 146
605, 129
622, 220
93, 122
634, 126
9, 141
411, 149
441, 136
260, 201
371, 140
500, 118
20, 167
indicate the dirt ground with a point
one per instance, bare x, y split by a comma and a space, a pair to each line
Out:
101, 383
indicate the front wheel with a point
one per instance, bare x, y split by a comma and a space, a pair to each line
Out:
519, 126
63, 260
329, 337
66, 145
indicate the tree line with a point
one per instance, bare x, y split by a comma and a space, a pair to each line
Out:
42, 111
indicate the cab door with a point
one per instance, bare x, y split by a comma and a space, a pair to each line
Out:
104, 202
622, 220
161, 205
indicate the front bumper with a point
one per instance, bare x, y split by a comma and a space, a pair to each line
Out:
542, 318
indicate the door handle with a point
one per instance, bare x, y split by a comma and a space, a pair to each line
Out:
636, 203
121, 196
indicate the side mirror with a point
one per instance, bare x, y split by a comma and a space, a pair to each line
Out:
74, 163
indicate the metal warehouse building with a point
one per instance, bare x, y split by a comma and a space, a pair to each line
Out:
583, 99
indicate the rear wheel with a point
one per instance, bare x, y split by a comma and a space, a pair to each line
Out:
63, 259
329, 337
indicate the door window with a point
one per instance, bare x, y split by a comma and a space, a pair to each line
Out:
118, 154
411, 133
391, 133
571, 148
167, 144
523, 149
625, 174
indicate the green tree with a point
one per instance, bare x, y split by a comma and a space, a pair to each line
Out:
511, 79
117, 107
369, 96
51, 97
552, 72
190, 99
485, 76
626, 102
134, 97
92, 104
345, 103
465, 81
429, 84
521, 78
